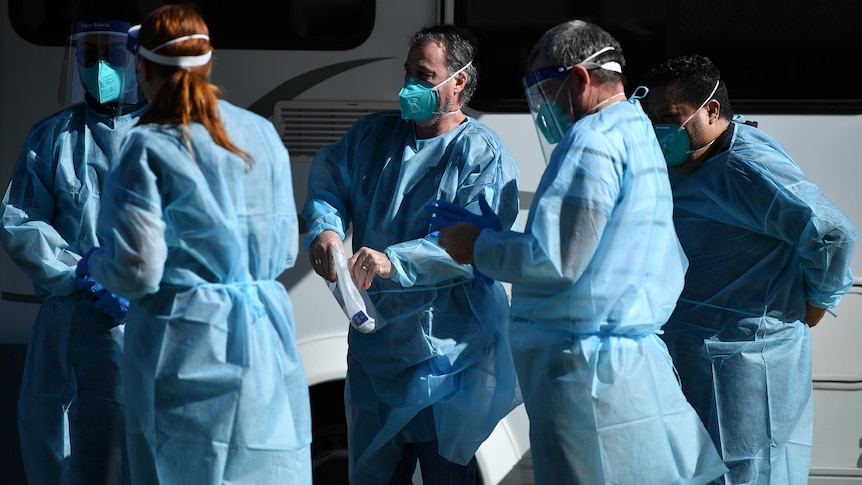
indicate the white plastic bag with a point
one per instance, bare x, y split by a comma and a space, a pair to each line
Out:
349, 296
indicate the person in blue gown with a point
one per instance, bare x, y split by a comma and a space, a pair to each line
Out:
70, 407
595, 275
768, 253
198, 220
434, 378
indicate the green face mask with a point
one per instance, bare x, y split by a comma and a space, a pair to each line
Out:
552, 121
104, 81
674, 143
673, 139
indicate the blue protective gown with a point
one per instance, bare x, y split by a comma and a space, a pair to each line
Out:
72, 377
440, 368
762, 241
217, 393
594, 277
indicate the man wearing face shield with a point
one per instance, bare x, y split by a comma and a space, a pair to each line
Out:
433, 382
70, 406
769, 254
595, 275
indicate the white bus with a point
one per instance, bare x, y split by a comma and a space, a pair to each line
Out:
313, 66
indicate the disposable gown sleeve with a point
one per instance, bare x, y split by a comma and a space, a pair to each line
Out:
574, 202
133, 254
799, 214
28, 209
327, 203
423, 261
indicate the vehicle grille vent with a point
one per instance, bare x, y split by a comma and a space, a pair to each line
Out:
305, 126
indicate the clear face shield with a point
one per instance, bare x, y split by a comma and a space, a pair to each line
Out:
543, 88
552, 115
98, 62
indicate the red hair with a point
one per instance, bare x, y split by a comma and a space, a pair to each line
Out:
187, 96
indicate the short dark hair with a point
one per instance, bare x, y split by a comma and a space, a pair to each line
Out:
571, 42
459, 47
695, 77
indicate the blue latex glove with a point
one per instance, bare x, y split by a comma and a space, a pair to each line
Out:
83, 267
88, 284
113, 305
446, 213
83, 280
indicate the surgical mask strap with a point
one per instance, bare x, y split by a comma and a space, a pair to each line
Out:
446, 81
689, 152
452, 76
701, 105
177, 61
604, 101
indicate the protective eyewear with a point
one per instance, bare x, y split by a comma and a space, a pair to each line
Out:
88, 54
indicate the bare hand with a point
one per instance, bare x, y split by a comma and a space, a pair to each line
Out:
367, 263
813, 314
458, 240
320, 254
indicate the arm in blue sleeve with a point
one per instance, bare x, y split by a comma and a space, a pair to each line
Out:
574, 202
28, 235
131, 260
798, 213
327, 203
285, 202
826, 247
483, 168
527, 258
422, 262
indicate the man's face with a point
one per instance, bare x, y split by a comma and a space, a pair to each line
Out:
428, 64
556, 88
665, 106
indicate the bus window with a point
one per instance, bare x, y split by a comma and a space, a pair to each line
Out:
251, 24
777, 56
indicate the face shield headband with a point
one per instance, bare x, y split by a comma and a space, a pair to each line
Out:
174, 61
542, 87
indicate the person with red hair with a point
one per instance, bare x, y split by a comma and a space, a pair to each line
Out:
201, 222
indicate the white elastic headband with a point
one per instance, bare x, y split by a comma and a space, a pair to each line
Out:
177, 61
609, 66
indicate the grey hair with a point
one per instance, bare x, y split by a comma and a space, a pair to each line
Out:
459, 49
571, 42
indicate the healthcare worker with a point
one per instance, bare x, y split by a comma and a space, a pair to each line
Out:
70, 408
594, 275
768, 255
435, 377
198, 221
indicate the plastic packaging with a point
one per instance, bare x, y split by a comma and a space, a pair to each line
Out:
349, 296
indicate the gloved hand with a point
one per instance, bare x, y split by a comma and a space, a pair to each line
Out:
113, 305
446, 213
83, 267
83, 280
88, 284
